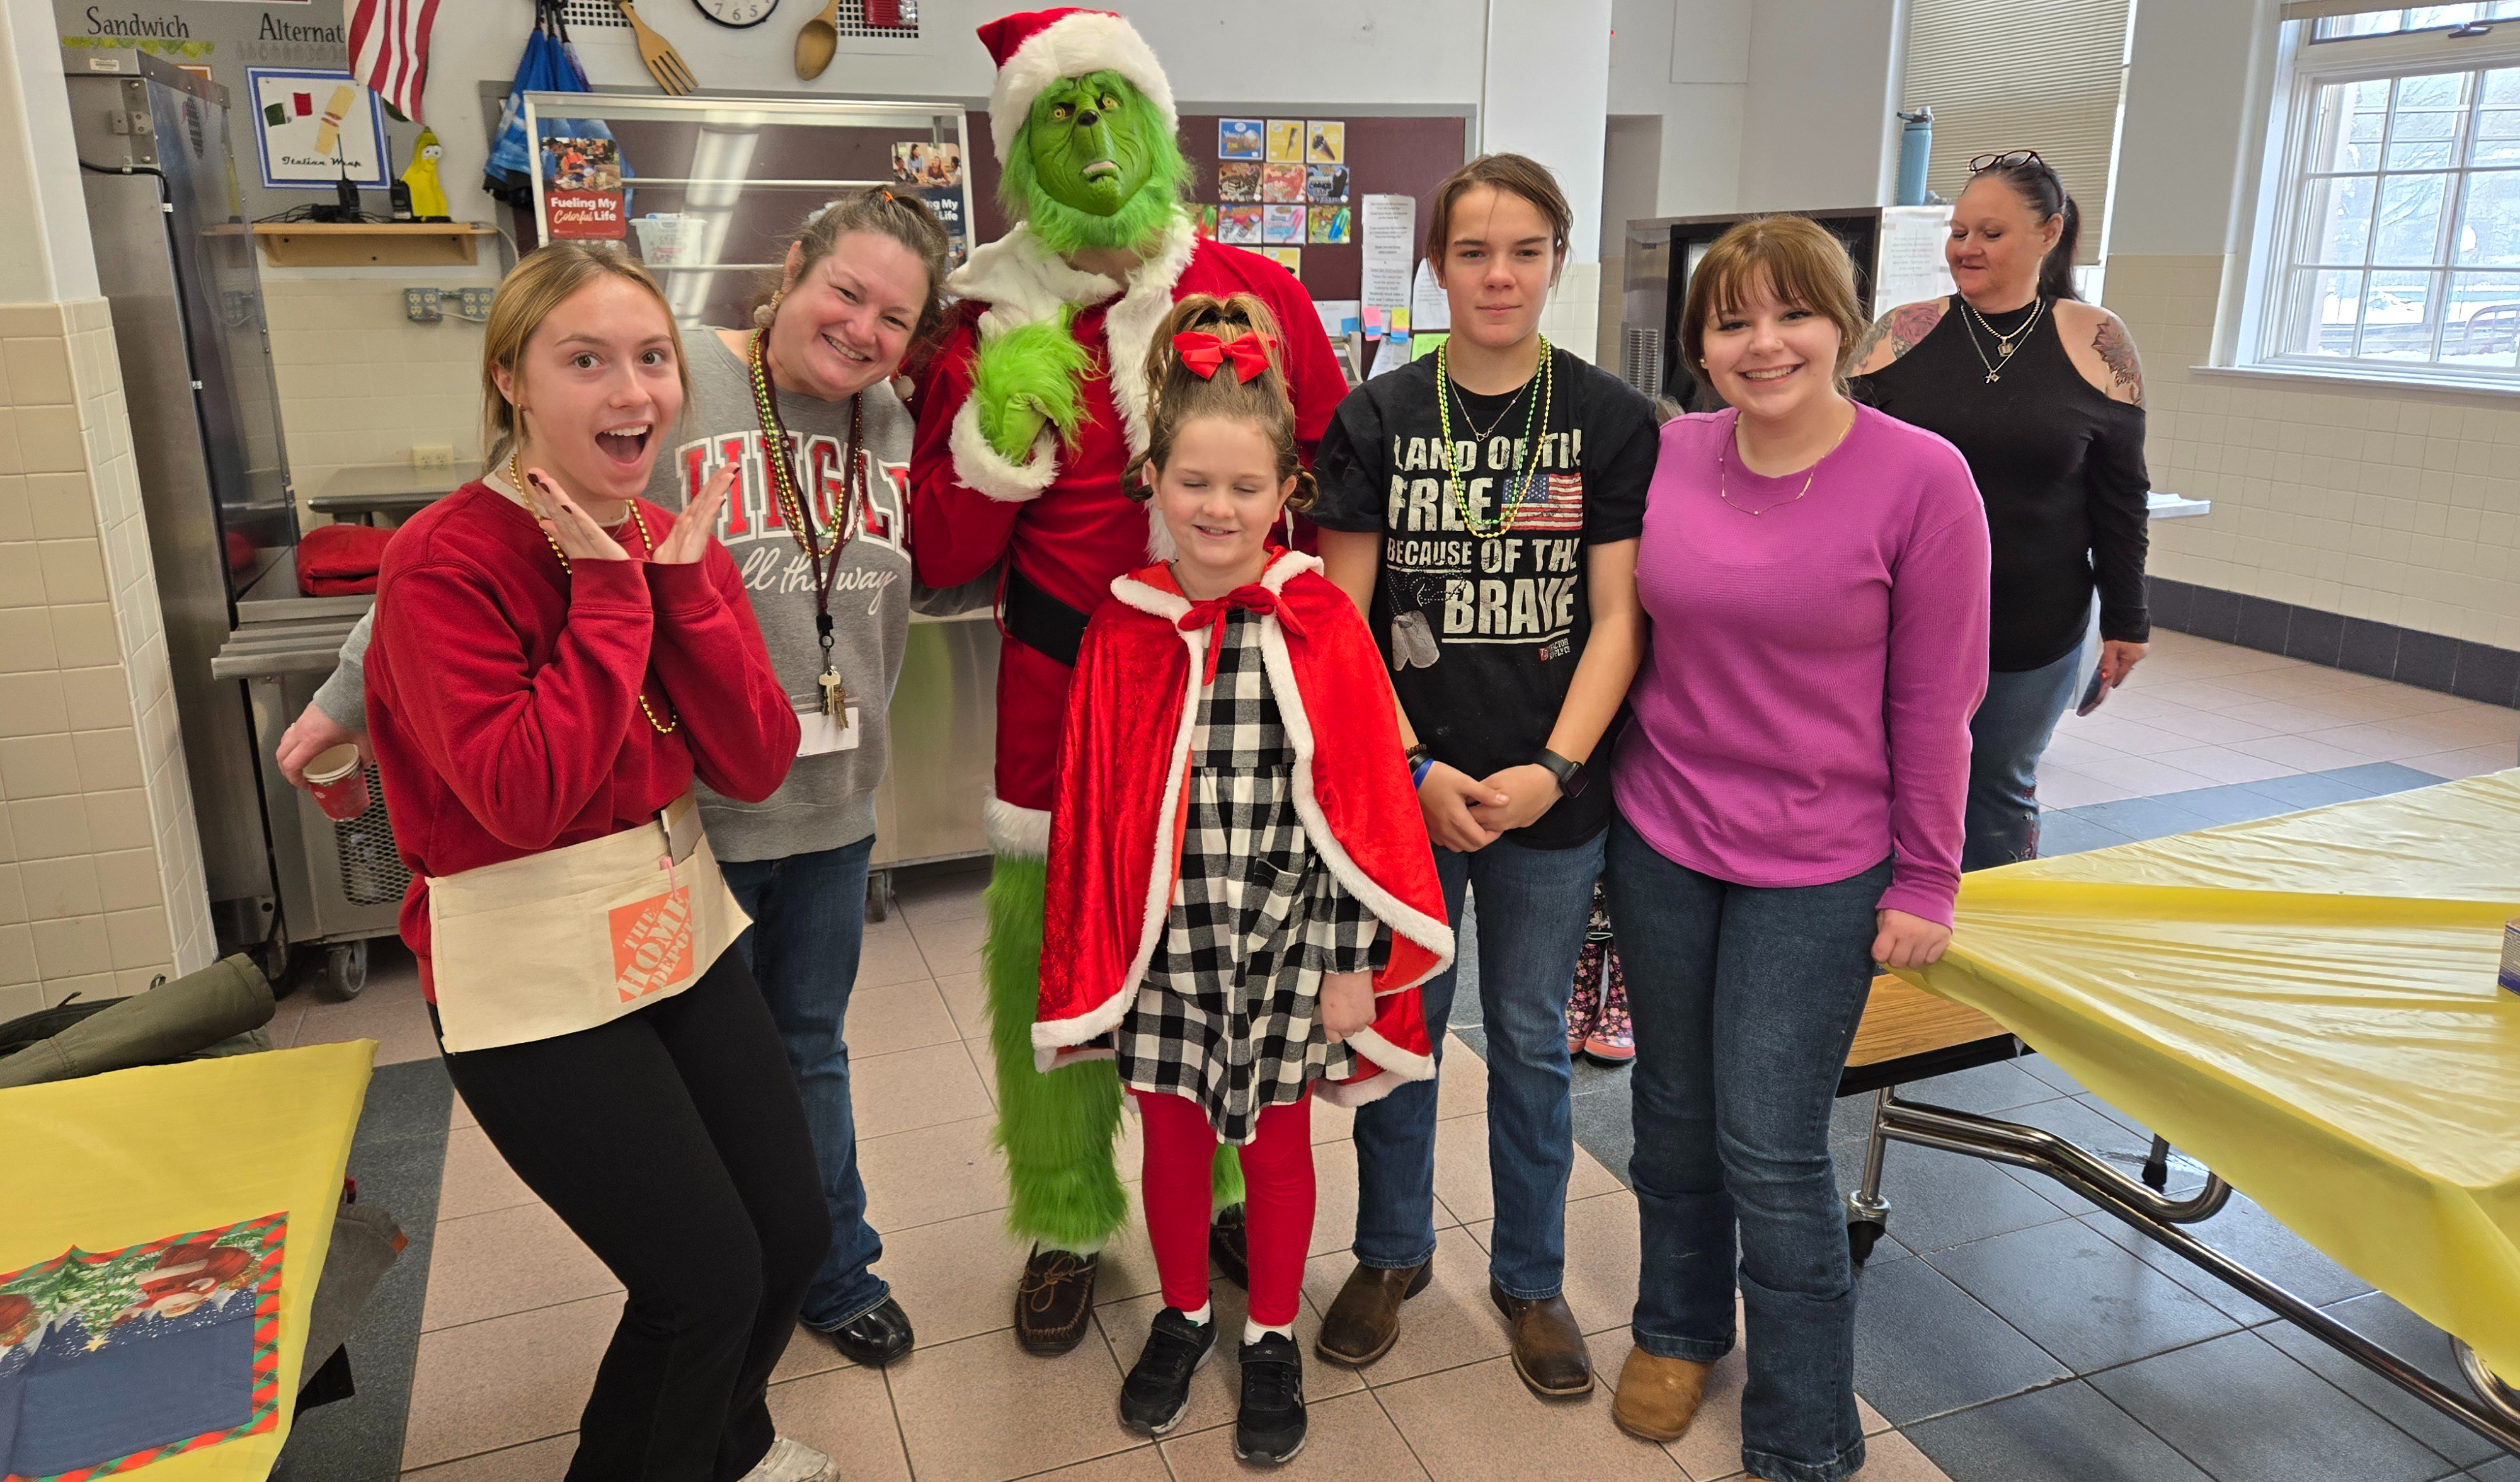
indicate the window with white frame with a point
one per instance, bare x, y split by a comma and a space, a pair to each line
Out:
2396, 226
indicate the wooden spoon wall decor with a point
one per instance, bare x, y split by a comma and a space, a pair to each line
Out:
816, 40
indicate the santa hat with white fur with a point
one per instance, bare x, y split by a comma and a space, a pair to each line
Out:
1034, 49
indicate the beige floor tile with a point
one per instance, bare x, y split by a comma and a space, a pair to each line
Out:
845, 1413
955, 1279
2205, 727
2145, 776
2222, 764
2380, 743
966, 999
458, 1114
2381, 701
1332, 1124
477, 1180
959, 897
1462, 1176
935, 1173
1346, 1439
1479, 1422
2195, 694
888, 955
1451, 1322
1601, 1255
2072, 788
2288, 717
506, 1382
984, 1064
533, 1462
911, 1089
2072, 750
2131, 736
285, 1018
2303, 752
399, 1025
1142, 1466
808, 1353
983, 1409
2477, 721
908, 1015
1334, 1199
508, 1261
1461, 1087
2472, 761
2302, 684
1215, 1390
951, 946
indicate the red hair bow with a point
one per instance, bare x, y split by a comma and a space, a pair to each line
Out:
1207, 354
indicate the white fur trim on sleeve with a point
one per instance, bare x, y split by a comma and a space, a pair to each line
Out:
980, 467
1088, 42
1016, 833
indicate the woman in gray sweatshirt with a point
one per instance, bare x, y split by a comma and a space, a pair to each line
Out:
859, 288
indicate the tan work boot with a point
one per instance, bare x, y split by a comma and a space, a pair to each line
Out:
1365, 1321
1659, 1397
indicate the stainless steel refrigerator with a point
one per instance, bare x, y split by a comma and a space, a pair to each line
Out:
175, 260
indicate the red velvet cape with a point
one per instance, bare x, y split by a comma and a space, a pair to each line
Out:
1115, 834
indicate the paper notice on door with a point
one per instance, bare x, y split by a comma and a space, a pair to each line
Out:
1428, 309
1390, 225
1912, 266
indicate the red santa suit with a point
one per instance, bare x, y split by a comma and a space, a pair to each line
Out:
1058, 518
1115, 848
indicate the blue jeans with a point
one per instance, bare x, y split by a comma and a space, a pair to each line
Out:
1745, 1002
2007, 737
808, 918
1533, 906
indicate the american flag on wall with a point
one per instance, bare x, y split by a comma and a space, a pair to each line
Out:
389, 49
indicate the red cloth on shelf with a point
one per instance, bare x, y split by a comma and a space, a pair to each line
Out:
341, 561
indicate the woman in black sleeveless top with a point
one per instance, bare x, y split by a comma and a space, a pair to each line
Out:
2043, 395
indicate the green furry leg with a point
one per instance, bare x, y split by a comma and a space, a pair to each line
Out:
1225, 1178
1056, 1130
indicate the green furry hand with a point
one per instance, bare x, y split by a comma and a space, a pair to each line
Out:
1026, 379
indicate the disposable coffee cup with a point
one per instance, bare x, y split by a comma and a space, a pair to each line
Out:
340, 781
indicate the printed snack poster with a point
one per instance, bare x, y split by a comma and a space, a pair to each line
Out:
1326, 182
1282, 225
1328, 226
1238, 180
1286, 140
1203, 218
111, 1360
582, 189
1239, 138
1238, 225
1326, 142
1287, 258
1282, 182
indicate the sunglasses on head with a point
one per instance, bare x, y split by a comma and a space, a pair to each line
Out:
2009, 159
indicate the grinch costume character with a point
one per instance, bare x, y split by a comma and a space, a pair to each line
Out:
1029, 412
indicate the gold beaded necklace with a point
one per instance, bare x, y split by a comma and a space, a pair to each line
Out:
648, 549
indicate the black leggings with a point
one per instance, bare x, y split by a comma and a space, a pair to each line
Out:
671, 1141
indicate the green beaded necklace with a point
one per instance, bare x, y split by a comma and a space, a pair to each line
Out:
1526, 462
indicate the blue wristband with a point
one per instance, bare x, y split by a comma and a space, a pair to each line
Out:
1418, 773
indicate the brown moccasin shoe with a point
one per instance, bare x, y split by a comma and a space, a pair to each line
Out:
1659, 1397
1548, 1349
1055, 1301
1365, 1321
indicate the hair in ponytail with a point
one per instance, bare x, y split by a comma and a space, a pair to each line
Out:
1176, 394
2041, 190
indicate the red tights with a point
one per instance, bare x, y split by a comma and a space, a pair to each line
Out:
1277, 1183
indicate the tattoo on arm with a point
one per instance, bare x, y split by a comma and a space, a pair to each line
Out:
1904, 327
2117, 350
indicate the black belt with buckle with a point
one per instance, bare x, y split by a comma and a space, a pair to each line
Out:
1042, 622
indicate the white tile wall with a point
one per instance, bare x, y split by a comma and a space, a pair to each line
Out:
2398, 508
360, 382
1573, 315
97, 836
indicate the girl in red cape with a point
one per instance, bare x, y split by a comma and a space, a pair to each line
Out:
1243, 901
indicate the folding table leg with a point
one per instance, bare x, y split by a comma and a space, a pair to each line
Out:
1867, 1214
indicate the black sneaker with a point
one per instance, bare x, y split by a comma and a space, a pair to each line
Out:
1157, 1390
1271, 1427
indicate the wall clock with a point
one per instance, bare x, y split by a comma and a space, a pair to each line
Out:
737, 12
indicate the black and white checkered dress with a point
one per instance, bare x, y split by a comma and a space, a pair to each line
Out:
1229, 1011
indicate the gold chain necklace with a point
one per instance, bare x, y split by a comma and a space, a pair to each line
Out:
1723, 476
646, 543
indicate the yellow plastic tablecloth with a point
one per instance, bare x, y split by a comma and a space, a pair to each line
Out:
2307, 1004
116, 1160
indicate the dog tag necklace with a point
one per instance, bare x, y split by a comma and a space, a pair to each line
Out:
824, 559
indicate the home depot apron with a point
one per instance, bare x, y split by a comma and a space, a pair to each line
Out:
573, 938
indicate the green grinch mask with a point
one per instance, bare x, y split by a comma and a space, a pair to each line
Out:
1094, 168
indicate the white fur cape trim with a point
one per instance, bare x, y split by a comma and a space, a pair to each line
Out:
980, 468
1016, 833
1049, 1038
1072, 46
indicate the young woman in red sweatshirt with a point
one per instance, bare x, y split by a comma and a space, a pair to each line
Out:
555, 662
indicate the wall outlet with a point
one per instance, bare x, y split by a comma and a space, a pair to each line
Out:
432, 455
420, 305
475, 303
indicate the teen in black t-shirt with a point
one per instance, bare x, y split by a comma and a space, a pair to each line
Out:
1497, 564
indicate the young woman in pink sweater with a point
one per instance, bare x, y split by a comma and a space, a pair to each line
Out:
1789, 801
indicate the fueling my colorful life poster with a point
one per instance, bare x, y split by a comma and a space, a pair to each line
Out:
111, 1360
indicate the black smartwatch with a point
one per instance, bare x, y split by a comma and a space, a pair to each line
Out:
1571, 776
